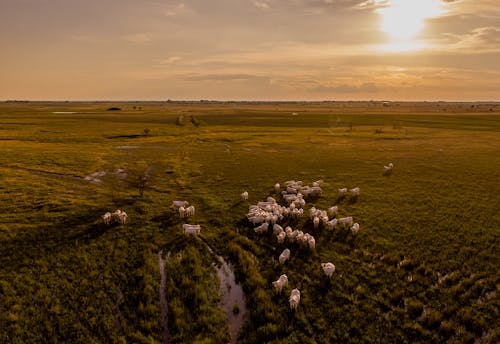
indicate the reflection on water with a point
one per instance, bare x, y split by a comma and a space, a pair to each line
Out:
233, 298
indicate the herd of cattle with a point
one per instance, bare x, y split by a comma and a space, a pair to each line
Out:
269, 214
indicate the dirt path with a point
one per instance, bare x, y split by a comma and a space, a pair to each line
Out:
163, 299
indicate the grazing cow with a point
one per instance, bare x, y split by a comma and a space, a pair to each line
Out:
355, 228
346, 221
120, 216
388, 169
182, 212
342, 192
332, 224
262, 228
284, 256
244, 196
333, 210
355, 192
180, 203
277, 187
316, 222
328, 269
311, 242
281, 237
106, 218
280, 283
277, 229
191, 229
318, 183
294, 299
190, 211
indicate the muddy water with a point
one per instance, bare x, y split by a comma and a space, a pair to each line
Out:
232, 295
233, 298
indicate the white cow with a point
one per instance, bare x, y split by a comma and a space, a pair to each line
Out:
342, 192
277, 229
284, 256
190, 211
277, 187
328, 269
355, 228
311, 242
182, 212
244, 196
191, 229
355, 192
316, 222
388, 169
333, 210
281, 237
106, 218
346, 221
180, 203
332, 224
120, 216
318, 183
280, 283
262, 228
294, 298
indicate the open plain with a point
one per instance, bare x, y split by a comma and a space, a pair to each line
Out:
424, 266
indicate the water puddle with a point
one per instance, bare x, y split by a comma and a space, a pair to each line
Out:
233, 297
95, 177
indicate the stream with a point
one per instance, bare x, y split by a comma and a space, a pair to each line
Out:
231, 292
233, 297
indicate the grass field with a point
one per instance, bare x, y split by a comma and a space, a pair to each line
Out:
423, 268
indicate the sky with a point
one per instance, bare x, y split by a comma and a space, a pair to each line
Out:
250, 50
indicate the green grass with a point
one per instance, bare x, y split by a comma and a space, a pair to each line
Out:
424, 267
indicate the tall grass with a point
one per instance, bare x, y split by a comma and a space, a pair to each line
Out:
424, 267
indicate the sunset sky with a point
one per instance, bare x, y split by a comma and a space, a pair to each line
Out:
250, 49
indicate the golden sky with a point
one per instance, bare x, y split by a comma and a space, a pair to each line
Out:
250, 49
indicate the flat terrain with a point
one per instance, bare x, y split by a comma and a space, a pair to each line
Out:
424, 266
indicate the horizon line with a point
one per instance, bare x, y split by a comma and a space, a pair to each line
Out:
238, 101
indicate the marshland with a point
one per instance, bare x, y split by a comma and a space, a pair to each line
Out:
424, 266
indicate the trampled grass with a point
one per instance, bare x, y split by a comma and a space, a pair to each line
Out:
424, 267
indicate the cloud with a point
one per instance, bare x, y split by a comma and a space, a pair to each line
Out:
479, 40
175, 10
224, 77
489, 36
372, 4
261, 5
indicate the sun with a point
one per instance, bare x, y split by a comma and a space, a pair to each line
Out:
403, 20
